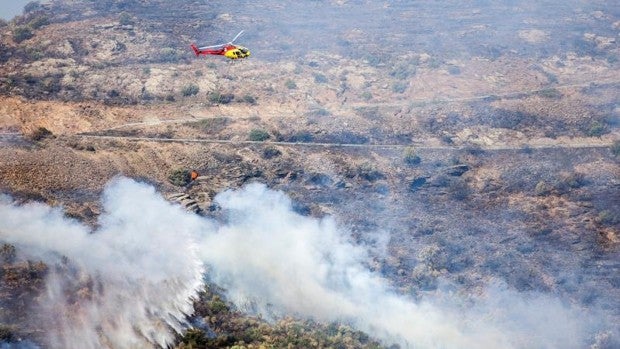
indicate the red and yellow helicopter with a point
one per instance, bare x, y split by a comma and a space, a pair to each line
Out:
229, 50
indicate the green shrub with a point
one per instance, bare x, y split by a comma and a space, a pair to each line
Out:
211, 124
318, 112
180, 177
258, 135
125, 19
301, 137
411, 157
454, 70
271, 152
399, 87
607, 217
369, 172
40, 134
168, 54
403, 71
249, 99
551, 93
542, 189
7, 253
320, 78
38, 22
367, 112
596, 129
220, 98
290, 84
615, 148
7, 334
190, 90
366, 95
459, 190
32, 6
22, 33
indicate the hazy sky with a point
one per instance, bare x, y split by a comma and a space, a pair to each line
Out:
11, 8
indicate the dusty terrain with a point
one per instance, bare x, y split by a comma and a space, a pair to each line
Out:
481, 159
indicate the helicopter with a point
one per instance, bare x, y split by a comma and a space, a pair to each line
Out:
229, 50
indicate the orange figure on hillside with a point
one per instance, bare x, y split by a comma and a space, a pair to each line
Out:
194, 175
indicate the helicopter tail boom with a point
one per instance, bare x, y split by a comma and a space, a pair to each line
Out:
196, 51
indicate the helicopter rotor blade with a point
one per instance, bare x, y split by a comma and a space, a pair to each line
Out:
238, 35
212, 46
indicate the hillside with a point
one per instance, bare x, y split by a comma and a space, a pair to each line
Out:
461, 147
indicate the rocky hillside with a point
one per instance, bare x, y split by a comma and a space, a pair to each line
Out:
486, 149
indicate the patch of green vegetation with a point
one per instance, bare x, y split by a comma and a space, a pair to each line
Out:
615, 148
318, 112
125, 19
320, 78
231, 329
249, 99
606, 217
259, 135
369, 172
32, 6
434, 63
551, 93
271, 152
411, 157
34, 54
459, 190
38, 22
220, 98
402, 71
21, 33
40, 134
367, 112
542, 188
290, 84
596, 129
374, 60
168, 54
190, 90
212, 124
454, 70
7, 253
7, 335
180, 177
399, 87
301, 137
366, 96
146, 70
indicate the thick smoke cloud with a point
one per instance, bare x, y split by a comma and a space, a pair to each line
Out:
146, 261
274, 262
135, 276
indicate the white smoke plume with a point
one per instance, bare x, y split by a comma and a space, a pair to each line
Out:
274, 261
145, 264
139, 269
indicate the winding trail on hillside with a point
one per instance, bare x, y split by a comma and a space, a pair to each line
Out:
421, 145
